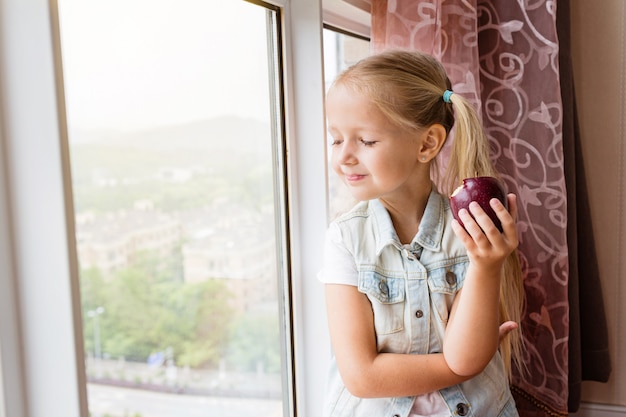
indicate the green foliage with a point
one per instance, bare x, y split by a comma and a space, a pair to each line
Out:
149, 311
255, 339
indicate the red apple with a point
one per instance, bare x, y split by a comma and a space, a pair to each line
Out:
480, 190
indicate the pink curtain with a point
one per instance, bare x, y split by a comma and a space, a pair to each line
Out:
504, 56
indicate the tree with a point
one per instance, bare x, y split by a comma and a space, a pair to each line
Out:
255, 339
149, 309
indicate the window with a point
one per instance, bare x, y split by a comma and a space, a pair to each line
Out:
176, 144
341, 49
42, 321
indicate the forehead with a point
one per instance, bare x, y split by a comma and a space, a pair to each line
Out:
346, 106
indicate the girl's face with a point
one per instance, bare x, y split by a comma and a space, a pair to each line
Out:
374, 157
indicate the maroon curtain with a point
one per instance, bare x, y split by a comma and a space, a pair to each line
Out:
504, 57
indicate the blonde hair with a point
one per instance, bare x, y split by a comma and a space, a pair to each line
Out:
408, 87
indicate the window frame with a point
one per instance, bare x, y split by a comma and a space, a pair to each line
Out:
306, 153
39, 330
41, 362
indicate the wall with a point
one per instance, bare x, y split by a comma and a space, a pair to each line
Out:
599, 57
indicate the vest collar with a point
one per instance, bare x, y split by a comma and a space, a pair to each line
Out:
429, 233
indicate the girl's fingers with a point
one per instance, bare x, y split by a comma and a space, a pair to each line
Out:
461, 233
472, 227
479, 231
506, 217
512, 202
506, 328
482, 230
480, 226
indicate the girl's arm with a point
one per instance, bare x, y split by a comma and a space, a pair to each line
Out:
367, 373
472, 334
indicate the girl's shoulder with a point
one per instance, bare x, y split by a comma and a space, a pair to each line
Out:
359, 210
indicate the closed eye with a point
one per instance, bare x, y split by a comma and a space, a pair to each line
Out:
368, 142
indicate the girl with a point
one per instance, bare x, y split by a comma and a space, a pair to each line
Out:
416, 303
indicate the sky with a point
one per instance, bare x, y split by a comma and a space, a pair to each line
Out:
135, 64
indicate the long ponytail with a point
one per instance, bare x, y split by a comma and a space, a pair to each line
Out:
470, 157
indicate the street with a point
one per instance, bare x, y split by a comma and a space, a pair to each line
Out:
110, 401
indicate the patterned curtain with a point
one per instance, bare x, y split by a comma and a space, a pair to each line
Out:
504, 57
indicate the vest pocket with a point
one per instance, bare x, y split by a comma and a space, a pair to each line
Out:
444, 282
386, 295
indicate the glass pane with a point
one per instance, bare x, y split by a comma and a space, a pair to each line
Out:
171, 109
340, 51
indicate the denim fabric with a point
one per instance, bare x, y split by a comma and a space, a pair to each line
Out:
411, 291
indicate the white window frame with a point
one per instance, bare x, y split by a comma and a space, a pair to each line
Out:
304, 84
41, 362
39, 308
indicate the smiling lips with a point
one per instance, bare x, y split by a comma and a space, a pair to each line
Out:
353, 177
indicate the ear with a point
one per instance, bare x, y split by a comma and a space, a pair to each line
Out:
431, 142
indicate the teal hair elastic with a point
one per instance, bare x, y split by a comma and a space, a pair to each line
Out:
446, 95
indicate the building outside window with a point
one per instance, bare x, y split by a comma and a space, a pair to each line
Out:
174, 115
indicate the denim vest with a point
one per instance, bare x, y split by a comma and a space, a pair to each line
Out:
411, 291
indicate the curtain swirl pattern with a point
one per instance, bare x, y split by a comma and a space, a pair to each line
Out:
503, 56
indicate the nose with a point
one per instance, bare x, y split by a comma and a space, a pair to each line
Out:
344, 154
